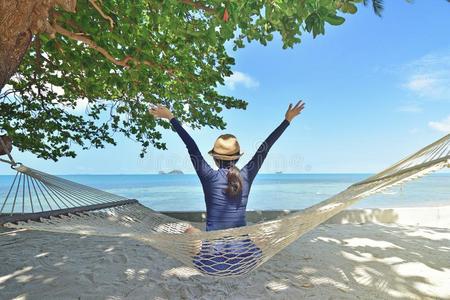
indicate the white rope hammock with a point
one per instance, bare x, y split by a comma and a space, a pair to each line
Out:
41, 201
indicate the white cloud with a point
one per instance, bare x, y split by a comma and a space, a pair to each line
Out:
429, 76
410, 108
442, 126
421, 82
239, 78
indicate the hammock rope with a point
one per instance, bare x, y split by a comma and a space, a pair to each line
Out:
40, 201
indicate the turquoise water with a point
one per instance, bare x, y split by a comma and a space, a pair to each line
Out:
269, 191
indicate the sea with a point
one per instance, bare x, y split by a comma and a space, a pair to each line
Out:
183, 192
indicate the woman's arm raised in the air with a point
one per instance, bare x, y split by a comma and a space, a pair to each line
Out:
202, 168
257, 160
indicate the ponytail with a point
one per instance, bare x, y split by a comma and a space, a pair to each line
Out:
234, 188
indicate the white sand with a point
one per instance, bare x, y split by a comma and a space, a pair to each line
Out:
332, 262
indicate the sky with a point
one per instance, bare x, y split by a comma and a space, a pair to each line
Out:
376, 89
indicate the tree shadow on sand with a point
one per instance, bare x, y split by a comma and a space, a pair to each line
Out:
331, 262
388, 262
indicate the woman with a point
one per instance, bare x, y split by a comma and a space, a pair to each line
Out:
226, 190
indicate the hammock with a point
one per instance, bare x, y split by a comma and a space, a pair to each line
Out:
40, 201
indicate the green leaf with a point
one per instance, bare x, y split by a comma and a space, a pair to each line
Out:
334, 20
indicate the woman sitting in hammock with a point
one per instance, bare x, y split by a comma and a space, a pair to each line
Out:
226, 189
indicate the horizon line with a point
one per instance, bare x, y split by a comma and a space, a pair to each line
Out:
167, 174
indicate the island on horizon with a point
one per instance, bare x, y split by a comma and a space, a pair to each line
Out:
173, 172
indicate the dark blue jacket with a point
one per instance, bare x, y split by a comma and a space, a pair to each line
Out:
222, 211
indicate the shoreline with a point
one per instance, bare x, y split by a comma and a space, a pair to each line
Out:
430, 216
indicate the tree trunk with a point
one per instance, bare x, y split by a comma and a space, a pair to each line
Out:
15, 35
19, 20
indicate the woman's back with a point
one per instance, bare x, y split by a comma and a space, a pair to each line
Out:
222, 210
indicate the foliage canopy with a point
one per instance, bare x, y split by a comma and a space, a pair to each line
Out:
117, 56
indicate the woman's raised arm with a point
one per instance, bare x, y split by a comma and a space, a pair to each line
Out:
202, 168
257, 160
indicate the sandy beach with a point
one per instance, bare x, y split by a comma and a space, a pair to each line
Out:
334, 261
300, 146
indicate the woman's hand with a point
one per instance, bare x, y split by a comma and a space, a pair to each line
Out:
161, 111
292, 112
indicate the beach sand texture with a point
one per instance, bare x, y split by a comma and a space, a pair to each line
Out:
334, 261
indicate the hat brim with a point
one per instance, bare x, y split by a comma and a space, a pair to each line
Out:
225, 157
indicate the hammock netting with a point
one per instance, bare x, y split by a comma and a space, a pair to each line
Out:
40, 201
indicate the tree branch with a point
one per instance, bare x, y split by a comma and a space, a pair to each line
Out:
37, 48
100, 11
59, 29
91, 44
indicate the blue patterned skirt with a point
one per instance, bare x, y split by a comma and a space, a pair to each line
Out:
227, 257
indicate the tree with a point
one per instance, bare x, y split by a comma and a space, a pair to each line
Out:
118, 56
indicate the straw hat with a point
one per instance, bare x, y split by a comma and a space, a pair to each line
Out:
226, 147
